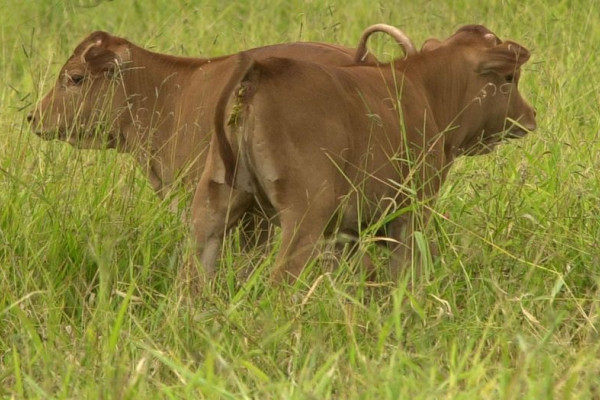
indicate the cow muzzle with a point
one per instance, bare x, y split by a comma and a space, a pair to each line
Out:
34, 123
522, 127
47, 131
36, 126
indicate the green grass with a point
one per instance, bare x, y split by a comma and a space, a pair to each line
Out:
89, 256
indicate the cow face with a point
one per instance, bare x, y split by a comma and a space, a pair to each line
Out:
503, 112
496, 110
84, 105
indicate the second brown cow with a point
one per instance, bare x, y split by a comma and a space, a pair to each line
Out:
326, 148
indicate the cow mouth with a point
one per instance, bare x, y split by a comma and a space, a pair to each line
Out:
515, 133
518, 129
78, 140
51, 135
487, 144
60, 135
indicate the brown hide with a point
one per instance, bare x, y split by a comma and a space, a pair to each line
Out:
324, 148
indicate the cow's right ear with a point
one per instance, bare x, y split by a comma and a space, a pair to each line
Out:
503, 59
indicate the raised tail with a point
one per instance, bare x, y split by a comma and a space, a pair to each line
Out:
244, 66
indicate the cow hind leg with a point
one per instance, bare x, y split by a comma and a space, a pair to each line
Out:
301, 234
404, 252
215, 208
401, 231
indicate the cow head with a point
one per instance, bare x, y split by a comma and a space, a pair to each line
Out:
87, 97
495, 110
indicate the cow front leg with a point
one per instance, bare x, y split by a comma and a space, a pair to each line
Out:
348, 243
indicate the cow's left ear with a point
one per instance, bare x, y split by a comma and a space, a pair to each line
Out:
503, 59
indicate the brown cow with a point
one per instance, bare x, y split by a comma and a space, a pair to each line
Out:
326, 148
114, 94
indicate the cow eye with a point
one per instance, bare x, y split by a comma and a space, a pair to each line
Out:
509, 77
76, 79
73, 79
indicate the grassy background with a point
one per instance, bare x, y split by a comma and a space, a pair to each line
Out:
89, 255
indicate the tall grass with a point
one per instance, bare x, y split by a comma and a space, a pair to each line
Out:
89, 256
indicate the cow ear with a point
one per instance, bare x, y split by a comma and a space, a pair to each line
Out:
503, 59
98, 59
101, 55
430, 44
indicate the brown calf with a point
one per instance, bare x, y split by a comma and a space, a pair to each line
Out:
113, 94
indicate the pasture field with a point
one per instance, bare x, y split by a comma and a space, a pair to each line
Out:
89, 256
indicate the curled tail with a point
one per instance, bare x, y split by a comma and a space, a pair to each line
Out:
244, 66
400, 37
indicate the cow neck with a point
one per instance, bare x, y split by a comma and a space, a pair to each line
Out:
153, 85
444, 76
